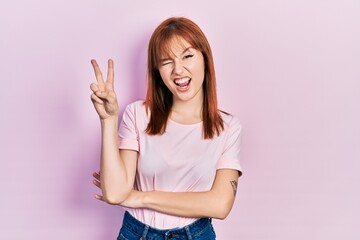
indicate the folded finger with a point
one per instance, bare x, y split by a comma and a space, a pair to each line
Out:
94, 87
96, 176
99, 197
96, 183
96, 99
101, 94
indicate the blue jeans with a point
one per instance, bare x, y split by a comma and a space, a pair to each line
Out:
133, 229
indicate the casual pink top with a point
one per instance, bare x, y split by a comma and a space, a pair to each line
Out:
179, 160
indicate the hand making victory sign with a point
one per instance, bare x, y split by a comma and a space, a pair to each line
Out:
103, 96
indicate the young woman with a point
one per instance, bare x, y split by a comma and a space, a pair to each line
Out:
174, 161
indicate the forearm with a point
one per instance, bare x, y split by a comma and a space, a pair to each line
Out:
189, 204
114, 180
215, 203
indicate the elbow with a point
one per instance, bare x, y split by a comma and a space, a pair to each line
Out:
224, 210
114, 199
221, 215
112, 195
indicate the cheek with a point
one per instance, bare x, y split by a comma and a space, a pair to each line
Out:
164, 74
161, 75
165, 78
200, 71
198, 67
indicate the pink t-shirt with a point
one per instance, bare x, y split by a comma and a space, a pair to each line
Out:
180, 160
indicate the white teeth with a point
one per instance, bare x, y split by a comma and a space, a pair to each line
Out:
181, 80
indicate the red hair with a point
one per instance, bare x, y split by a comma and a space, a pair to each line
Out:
159, 99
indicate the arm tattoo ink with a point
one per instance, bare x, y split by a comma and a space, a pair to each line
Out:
234, 184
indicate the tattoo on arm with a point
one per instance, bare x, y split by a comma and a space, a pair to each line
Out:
234, 184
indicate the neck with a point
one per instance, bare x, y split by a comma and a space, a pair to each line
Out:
189, 111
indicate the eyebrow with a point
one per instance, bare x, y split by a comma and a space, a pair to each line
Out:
185, 50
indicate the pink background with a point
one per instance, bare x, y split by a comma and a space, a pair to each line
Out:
290, 70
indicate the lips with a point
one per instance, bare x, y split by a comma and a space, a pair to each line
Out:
182, 82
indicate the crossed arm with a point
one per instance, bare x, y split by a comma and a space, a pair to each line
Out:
215, 203
117, 176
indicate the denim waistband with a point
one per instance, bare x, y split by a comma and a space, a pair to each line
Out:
143, 230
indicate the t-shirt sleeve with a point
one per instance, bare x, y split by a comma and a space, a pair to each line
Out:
230, 159
128, 133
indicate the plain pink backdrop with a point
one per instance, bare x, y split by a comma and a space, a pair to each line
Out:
290, 70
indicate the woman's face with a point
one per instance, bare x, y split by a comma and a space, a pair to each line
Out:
183, 71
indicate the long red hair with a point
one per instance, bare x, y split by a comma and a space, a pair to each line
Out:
159, 99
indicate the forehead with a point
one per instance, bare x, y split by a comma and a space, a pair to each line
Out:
173, 47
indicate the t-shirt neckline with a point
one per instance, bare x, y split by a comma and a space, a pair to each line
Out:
185, 125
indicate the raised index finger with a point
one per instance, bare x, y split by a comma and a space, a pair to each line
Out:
97, 71
110, 75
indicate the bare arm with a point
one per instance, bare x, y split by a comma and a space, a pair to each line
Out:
216, 203
117, 167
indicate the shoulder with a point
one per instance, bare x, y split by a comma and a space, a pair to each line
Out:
136, 105
231, 122
136, 113
135, 108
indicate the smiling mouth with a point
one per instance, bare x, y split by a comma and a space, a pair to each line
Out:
182, 82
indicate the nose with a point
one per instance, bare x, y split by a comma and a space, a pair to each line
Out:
178, 68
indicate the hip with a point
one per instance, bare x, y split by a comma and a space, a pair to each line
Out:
133, 229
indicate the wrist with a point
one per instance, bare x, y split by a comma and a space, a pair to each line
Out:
146, 199
111, 120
